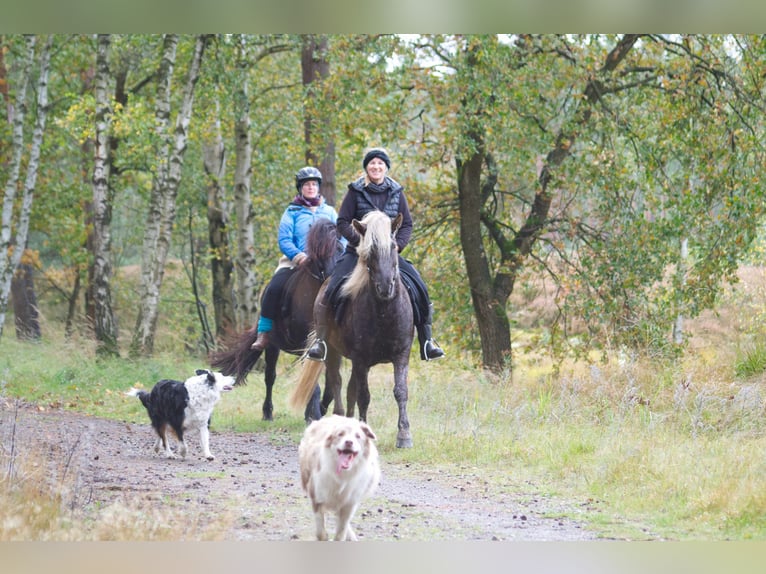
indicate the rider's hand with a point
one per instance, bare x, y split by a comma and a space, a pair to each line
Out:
300, 259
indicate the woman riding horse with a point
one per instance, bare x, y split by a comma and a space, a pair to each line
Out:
376, 191
306, 207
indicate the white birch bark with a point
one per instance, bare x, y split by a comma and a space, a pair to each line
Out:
678, 326
13, 244
247, 281
105, 327
162, 203
148, 293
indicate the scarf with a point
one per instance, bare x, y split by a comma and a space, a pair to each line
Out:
379, 187
313, 202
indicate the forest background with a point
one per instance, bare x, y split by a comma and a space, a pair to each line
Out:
623, 172
576, 197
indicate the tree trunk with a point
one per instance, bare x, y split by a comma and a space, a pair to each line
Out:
72, 305
221, 265
247, 281
162, 202
316, 68
120, 98
104, 323
490, 311
487, 293
16, 119
11, 250
683, 264
25, 311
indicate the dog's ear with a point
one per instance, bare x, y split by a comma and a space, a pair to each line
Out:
210, 378
202, 372
368, 431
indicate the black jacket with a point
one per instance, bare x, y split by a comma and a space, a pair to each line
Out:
360, 200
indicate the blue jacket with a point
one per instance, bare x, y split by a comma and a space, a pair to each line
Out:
295, 224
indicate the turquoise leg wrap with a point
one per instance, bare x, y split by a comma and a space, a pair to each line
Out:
264, 324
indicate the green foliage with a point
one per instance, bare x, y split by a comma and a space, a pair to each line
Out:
670, 151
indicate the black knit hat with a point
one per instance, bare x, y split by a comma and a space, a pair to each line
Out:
378, 152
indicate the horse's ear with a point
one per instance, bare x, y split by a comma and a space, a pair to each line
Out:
360, 227
396, 223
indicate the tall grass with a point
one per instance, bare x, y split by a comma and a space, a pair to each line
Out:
652, 450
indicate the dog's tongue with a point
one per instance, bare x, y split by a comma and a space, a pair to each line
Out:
344, 461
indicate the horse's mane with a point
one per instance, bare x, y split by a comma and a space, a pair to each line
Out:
322, 240
376, 240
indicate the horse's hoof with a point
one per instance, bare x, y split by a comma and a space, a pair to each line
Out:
404, 442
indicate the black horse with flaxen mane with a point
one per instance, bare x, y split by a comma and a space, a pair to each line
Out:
292, 327
376, 326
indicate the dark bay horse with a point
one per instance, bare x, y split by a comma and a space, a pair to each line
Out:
376, 325
293, 326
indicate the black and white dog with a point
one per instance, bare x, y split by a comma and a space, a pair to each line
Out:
183, 405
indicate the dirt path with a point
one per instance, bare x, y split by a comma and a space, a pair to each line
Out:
252, 490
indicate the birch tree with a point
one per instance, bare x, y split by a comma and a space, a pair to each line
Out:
247, 280
14, 227
162, 202
105, 325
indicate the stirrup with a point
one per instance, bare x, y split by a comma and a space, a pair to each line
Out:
315, 353
434, 347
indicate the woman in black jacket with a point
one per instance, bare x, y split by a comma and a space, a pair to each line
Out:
377, 191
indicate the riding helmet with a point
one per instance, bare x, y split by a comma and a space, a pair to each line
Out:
305, 174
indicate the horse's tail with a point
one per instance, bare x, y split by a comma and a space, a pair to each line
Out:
307, 381
238, 359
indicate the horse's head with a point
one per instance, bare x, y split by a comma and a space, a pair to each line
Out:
378, 252
323, 248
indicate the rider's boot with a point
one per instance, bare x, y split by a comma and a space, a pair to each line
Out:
318, 351
264, 326
261, 342
429, 349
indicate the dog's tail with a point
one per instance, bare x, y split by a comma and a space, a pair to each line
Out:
141, 394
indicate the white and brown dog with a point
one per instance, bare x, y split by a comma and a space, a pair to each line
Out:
339, 467
183, 405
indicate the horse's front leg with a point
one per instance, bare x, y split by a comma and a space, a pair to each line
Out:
403, 437
269, 376
358, 391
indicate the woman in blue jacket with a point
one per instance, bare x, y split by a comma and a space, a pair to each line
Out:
306, 207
